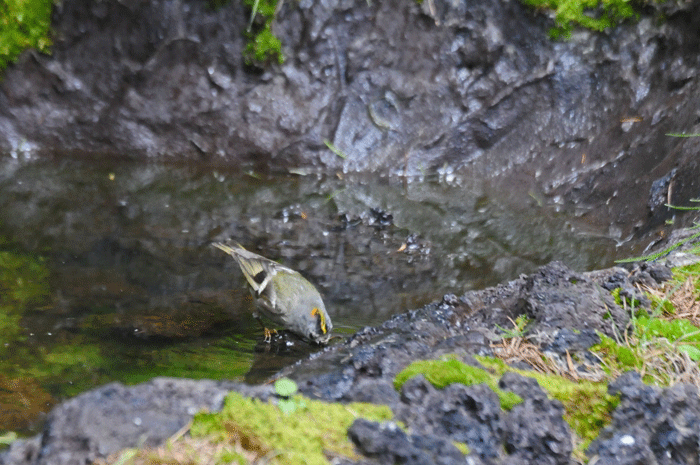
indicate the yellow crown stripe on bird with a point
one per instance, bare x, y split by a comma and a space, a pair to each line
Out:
319, 313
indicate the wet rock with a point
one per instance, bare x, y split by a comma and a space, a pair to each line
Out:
387, 443
556, 297
471, 342
110, 418
379, 218
650, 425
616, 279
468, 414
374, 391
650, 274
570, 341
535, 431
658, 193
532, 431
465, 97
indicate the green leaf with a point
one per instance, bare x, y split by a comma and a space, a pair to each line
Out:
285, 387
692, 351
287, 406
8, 438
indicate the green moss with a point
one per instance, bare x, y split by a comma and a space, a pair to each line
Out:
304, 436
441, 373
263, 46
681, 273
622, 301
23, 284
266, 8
597, 15
617, 357
686, 334
587, 405
659, 335
23, 24
616, 295
662, 305
8, 438
462, 447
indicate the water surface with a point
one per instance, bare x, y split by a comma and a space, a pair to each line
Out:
109, 273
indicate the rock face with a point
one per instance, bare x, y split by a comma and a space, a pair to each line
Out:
648, 425
105, 420
400, 87
651, 425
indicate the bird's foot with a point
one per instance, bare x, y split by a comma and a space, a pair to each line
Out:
268, 334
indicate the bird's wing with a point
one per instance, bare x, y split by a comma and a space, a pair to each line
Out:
258, 270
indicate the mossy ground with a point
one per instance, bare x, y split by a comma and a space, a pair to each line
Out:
597, 15
662, 344
441, 373
247, 430
587, 404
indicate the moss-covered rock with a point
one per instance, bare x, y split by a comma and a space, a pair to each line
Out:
302, 436
23, 24
440, 373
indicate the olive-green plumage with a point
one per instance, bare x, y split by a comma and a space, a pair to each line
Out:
283, 295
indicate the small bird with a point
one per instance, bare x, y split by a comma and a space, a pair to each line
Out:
283, 296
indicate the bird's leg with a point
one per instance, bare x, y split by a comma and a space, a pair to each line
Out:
268, 332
